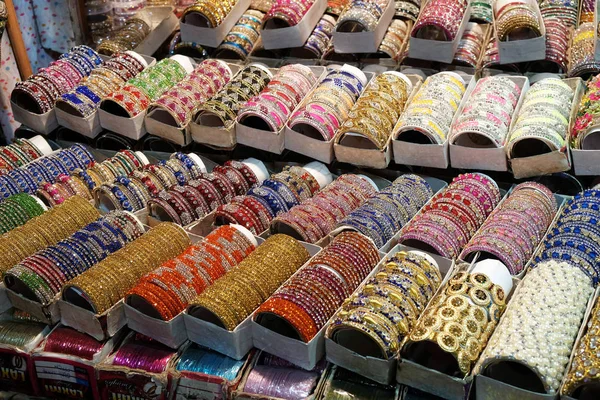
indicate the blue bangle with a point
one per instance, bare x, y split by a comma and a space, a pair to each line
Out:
276, 203
37, 173
87, 92
121, 198
82, 154
287, 194
24, 180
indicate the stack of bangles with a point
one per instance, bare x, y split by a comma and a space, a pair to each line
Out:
135, 190
280, 382
328, 106
68, 341
169, 289
581, 51
321, 36
108, 281
39, 93
138, 352
544, 116
261, 5
240, 41
226, 104
384, 213
557, 41
574, 237
45, 230
126, 38
286, 12
16, 210
208, 13
388, 306
377, 110
586, 13
335, 7
203, 194
20, 334
407, 10
432, 108
440, 20
459, 320
310, 297
587, 116
180, 102
137, 94
315, 218
361, 15
395, 39
85, 99
470, 46
451, 218
514, 230
261, 204
488, 112
17, 154
482, 12
235, 296
28, 178
563, 10
517, 16
44, 273
272, 107
207, 362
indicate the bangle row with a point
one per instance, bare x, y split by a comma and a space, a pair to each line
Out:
16, 210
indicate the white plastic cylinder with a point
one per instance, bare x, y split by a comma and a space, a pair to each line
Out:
142, 157
320, 172
246, 233
198, 161
185, 62
258, 167
41, 144
137, 57
356, 72
497, 272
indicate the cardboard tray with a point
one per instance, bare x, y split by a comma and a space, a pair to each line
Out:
212, 37
364, 42
516, 51
41, 123
435, 50
49, 314
293, 36
484, 158
99, 326
358, 150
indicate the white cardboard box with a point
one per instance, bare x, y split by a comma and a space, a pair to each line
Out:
41, 123
517, 51
5, 303
436, 50
170, 333
196, 30
132, 128
465, 154
293, 36
49, 314
99, 326
364, 42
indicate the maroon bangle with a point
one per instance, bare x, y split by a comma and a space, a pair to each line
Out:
235, 177
211, 195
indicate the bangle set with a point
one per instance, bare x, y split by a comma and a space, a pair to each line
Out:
386, 212
140, 353
489, 111
170, 288
121, 270
440, 20
212, 11
45, 230
290, 383
68, 341
85, 99
287, 12
481, 11
560, 294
240, 41
44, 273
180, 102
407, 10
207, 192
328, 106
581, 51
587, 115
517, 16
272, 107
39, 93
336, 7
127, 38
395, 39
321, 36
226, 104
460, 319
470, 46
206, 362
261, 5
361, 15
139, 92
544, 115
451, 218
233, 297
19, 333
17, 154
318, 216
377, 110
386, 308
310, 297
574, 238
432, 108
16, 210
515, 228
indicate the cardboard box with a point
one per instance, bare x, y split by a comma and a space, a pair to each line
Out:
555, 161
436, 50
99, 326
359, 150
293, 36
5, 303
49, 314
377, 369
273, 142
195, 28
194, 385
364, 42
315, 148
517, 51
41, 123
163, 22
132, 128
329, 376
466, 153
235, 344
63, 376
